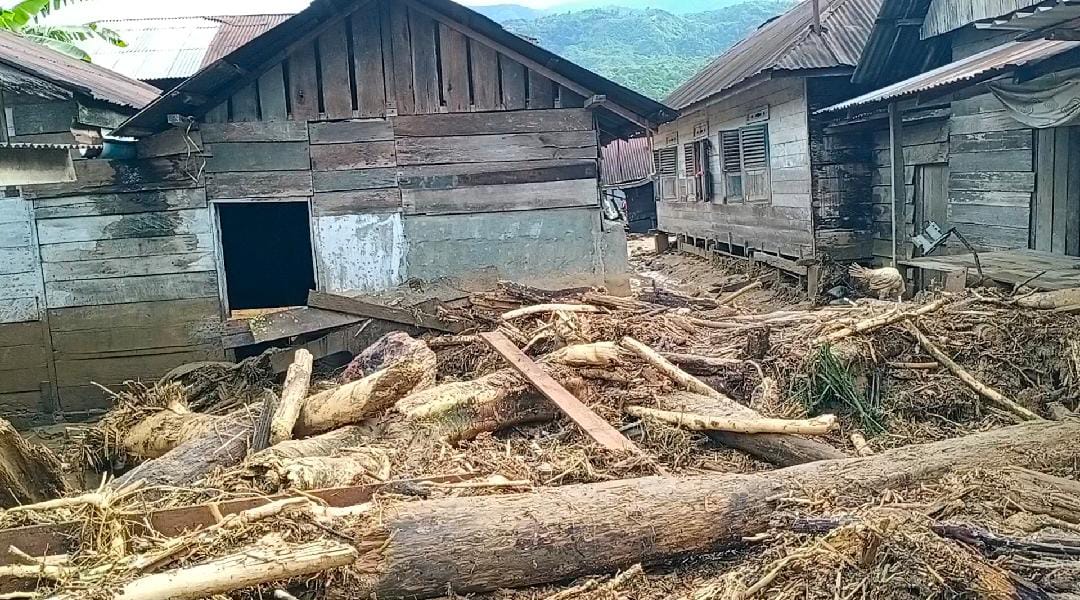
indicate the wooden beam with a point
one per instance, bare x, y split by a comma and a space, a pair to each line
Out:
598, 429
528, 62
899, 196
353, 306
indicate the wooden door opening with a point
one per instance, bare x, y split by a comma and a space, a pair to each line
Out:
267, 254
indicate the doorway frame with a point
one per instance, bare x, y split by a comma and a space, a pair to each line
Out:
219, 248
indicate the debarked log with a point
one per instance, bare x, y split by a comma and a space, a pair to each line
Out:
557, 534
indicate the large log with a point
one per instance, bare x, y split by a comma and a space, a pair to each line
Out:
782, 450
224, 445
28, 473
520, 540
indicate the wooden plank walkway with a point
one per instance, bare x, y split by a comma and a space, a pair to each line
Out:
1010, 267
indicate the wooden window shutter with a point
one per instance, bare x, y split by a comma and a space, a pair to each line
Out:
690, 159
667, 161
755, 148
731, 152
706, 170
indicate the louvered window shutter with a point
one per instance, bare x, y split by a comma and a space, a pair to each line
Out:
731, 152
755, 148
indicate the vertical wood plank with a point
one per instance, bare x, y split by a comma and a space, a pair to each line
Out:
218, 114
455, 69
1061, 189
541, 91
304, 84
513, 83
404, 94
245, 104
1043, 218
1072, 211
272, 94
485, 76
425, 63
336, 79
897, 184
570, 98
370, 80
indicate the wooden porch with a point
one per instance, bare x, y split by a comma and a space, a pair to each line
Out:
1036, 269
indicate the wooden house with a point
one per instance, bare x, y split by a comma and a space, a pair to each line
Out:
738, 171
358, 146
973, 123
53, 109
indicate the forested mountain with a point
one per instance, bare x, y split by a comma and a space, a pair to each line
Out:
649, 50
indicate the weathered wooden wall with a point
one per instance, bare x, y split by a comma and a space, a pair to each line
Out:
392, 58
841, 168
130, 284
781, 225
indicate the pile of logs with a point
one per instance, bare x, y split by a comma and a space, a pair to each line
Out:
316, 443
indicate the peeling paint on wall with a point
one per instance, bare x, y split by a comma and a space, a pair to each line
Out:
363, 253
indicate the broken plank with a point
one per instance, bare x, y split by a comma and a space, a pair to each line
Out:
287, 324
597, 428
360, 308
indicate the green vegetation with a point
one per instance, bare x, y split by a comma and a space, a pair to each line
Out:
25, 19
829, 385
648, 50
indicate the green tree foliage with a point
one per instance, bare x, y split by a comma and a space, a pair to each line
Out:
651, 51
26, 19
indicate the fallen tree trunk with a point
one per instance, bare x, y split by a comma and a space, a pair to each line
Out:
695, 364
166, 429
259, 564
224, 445
28, 473
293, 393
712, 422
782, 450
521, 540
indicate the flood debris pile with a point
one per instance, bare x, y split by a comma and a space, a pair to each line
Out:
580, 445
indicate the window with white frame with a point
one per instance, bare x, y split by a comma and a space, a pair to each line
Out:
697, 157
744, 160
666, 163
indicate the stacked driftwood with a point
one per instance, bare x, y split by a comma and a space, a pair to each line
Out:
809, 442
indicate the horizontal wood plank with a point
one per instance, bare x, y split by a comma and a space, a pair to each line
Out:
111, 227
445, 177
343, 132
255, 131
97, 292
138, 367
127, 248
1005, 161
161, 338
356, 179
496, 148
498, 198
362, 155
490, 123
129, 267
138, 314
360, 308
118, 176
330, 204
119, 204
22, 334
170, 142
20, 310
257, 156
281, 184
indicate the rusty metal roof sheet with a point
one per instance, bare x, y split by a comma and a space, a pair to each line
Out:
176, 48
944, 16
74, 75
787, 43
626, 162
967, 71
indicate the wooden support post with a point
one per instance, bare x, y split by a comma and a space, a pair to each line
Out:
663, 242
597, 428
896, 161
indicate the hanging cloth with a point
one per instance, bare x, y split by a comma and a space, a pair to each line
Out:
1049, 101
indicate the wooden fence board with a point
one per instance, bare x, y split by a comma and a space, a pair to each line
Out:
336, 77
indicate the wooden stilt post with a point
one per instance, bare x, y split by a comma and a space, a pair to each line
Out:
899, 192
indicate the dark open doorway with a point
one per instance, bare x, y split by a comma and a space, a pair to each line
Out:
267, 252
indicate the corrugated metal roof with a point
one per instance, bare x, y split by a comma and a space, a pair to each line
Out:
176, 48
947, 15
973, 69
626, 161
221, 73
787, 43
75, 75
37, 146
